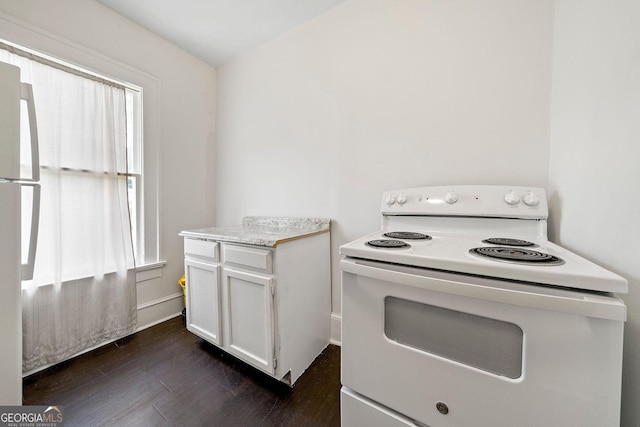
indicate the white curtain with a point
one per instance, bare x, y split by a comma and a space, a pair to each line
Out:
83, 292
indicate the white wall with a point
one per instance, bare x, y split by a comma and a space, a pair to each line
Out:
179, 114
594, 174
377, 95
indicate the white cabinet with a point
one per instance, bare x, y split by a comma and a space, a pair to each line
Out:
270, 307
202, 272
203, 299
250, 319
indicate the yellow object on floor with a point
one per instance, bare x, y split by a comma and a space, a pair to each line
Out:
183, 284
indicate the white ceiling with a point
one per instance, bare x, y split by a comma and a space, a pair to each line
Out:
218, 30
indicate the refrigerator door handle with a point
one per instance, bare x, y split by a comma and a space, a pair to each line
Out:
27, 269
27, 95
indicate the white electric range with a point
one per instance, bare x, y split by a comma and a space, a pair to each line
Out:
459, 311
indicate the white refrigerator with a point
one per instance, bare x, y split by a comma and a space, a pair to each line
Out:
19, 190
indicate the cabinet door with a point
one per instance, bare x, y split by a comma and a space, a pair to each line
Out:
250, 321
203, 300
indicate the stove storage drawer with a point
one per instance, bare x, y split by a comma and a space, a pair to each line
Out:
358, 411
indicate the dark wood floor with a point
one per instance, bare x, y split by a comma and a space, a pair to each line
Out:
166, 376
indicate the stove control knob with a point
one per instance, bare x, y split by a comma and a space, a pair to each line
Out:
530, 199
402, 199
390, 200
451, 197
512, 198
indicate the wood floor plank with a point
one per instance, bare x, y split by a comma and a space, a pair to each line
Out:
166, 376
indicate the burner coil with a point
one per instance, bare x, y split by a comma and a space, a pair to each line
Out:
406, 235
388, 244
516, 255
504, 241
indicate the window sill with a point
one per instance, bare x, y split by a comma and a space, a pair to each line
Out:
143, 273
149, 271
150, 266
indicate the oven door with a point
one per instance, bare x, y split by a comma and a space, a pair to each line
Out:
444, 349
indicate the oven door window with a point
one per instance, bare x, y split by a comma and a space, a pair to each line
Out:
491, 345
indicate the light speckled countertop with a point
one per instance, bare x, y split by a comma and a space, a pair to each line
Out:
263, 231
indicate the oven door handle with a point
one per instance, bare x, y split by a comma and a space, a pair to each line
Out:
579, 303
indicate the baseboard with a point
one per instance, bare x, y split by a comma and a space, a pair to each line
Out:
156, 311
159, 301
336, 329
148, 325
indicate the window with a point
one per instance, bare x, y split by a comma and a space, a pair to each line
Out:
93, 196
